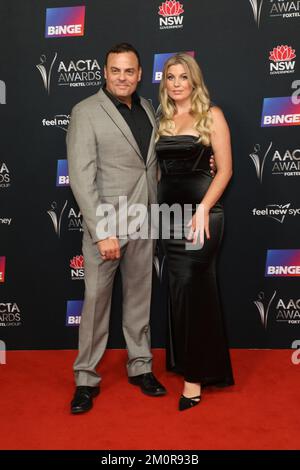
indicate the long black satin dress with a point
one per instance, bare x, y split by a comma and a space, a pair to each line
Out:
197, 346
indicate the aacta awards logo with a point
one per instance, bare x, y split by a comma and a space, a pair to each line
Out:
82, 72
77, 267
2, 269
4, 176
64, 22
60, 217
281, 60
259, 161
285, 9
10, 314
56, 216
283, 162
71, 73
263, 306
283, 310
170, 13
46, 70
256, 8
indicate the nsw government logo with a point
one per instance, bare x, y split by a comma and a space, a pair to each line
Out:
65, 22
283, 263
171, 15
77, 267
281, 60
159, 62
74, 308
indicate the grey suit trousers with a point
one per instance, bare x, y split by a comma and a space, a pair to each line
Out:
136, 263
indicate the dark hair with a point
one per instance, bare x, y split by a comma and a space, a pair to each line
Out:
123, 47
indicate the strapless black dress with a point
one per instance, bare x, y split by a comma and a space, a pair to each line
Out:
197, 345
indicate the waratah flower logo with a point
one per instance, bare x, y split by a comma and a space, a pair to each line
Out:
282, 53
171, 8
77, 262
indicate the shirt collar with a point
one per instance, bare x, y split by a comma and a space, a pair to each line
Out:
135, 97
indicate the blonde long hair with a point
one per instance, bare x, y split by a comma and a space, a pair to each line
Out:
200, 100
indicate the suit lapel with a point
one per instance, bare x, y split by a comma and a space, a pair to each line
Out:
117, 118
151, 117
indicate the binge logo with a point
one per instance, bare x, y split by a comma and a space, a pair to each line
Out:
64, 22
2, 269
62, 178
74, 308
280, 111
283, 263
159, 62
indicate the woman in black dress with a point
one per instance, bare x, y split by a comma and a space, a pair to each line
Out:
190, 130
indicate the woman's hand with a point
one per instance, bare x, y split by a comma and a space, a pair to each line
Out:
199, 224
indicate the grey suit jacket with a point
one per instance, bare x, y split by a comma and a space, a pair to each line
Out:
105, 161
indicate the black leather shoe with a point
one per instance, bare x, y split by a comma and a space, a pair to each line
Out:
83, 399
148, 384
186, 403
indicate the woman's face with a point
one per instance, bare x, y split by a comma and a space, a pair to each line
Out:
178, 84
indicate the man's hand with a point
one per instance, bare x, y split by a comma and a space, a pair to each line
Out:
109, 248
212, 164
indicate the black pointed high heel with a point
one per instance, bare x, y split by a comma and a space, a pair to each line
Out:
186, 403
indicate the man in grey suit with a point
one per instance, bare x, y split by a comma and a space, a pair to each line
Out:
110, 144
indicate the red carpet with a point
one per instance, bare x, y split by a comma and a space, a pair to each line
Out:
260, 412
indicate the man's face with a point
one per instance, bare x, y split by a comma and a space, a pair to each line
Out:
122, 74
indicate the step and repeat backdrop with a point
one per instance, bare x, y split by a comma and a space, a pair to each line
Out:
52, 56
